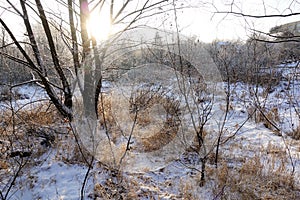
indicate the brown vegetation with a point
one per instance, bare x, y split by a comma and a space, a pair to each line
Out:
295, 134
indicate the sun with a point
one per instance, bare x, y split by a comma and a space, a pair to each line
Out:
99, 26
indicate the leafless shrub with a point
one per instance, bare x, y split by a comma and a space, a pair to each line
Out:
266, 116
140, 103
252, 62
24, 134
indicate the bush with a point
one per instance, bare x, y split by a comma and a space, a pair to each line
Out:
251, 62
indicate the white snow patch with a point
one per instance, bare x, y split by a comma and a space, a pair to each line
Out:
52, 180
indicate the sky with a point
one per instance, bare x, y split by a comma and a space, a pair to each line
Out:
208, 25
201, 20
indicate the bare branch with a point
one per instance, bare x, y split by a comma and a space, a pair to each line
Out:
30, 62
14, 7
257, 16
12, 43
121, 10
67, 90
139, 11
278, 38
32, 38
18, 60
74, 38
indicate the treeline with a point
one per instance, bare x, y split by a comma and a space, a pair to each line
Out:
254, 60
12, 62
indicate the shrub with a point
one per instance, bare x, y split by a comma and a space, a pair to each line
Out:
266, 116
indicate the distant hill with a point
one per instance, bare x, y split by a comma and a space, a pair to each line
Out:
293, 27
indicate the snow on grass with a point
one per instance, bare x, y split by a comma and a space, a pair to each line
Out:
29, 94
52, 180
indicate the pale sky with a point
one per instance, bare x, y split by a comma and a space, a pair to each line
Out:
201, 21
207, 25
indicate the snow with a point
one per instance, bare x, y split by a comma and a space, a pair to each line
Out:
54, 179
51, 180
30, 92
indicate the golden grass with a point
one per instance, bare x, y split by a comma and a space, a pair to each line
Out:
264, 176
140, 108
41, 115
266, 116
25, 130
3, 165
105, 110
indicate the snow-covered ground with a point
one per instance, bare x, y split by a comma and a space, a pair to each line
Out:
179, 179
29, 94
52, 179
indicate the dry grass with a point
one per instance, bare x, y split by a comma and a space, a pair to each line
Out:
23, 136
27, 130
107, 118
266, 116
68, 151
264, 176
141, 108
295, 134
195, 146
105, 110
39, 116
118, 186
187, 189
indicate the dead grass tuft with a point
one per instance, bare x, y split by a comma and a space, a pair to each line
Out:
44, 114
256, 179
118, 186
266, 116
295, 134
142, 107
28, 132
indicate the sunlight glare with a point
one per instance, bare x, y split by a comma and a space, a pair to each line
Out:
99, 26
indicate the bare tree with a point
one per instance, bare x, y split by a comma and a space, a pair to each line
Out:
43, 52
285, 37
81, 44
